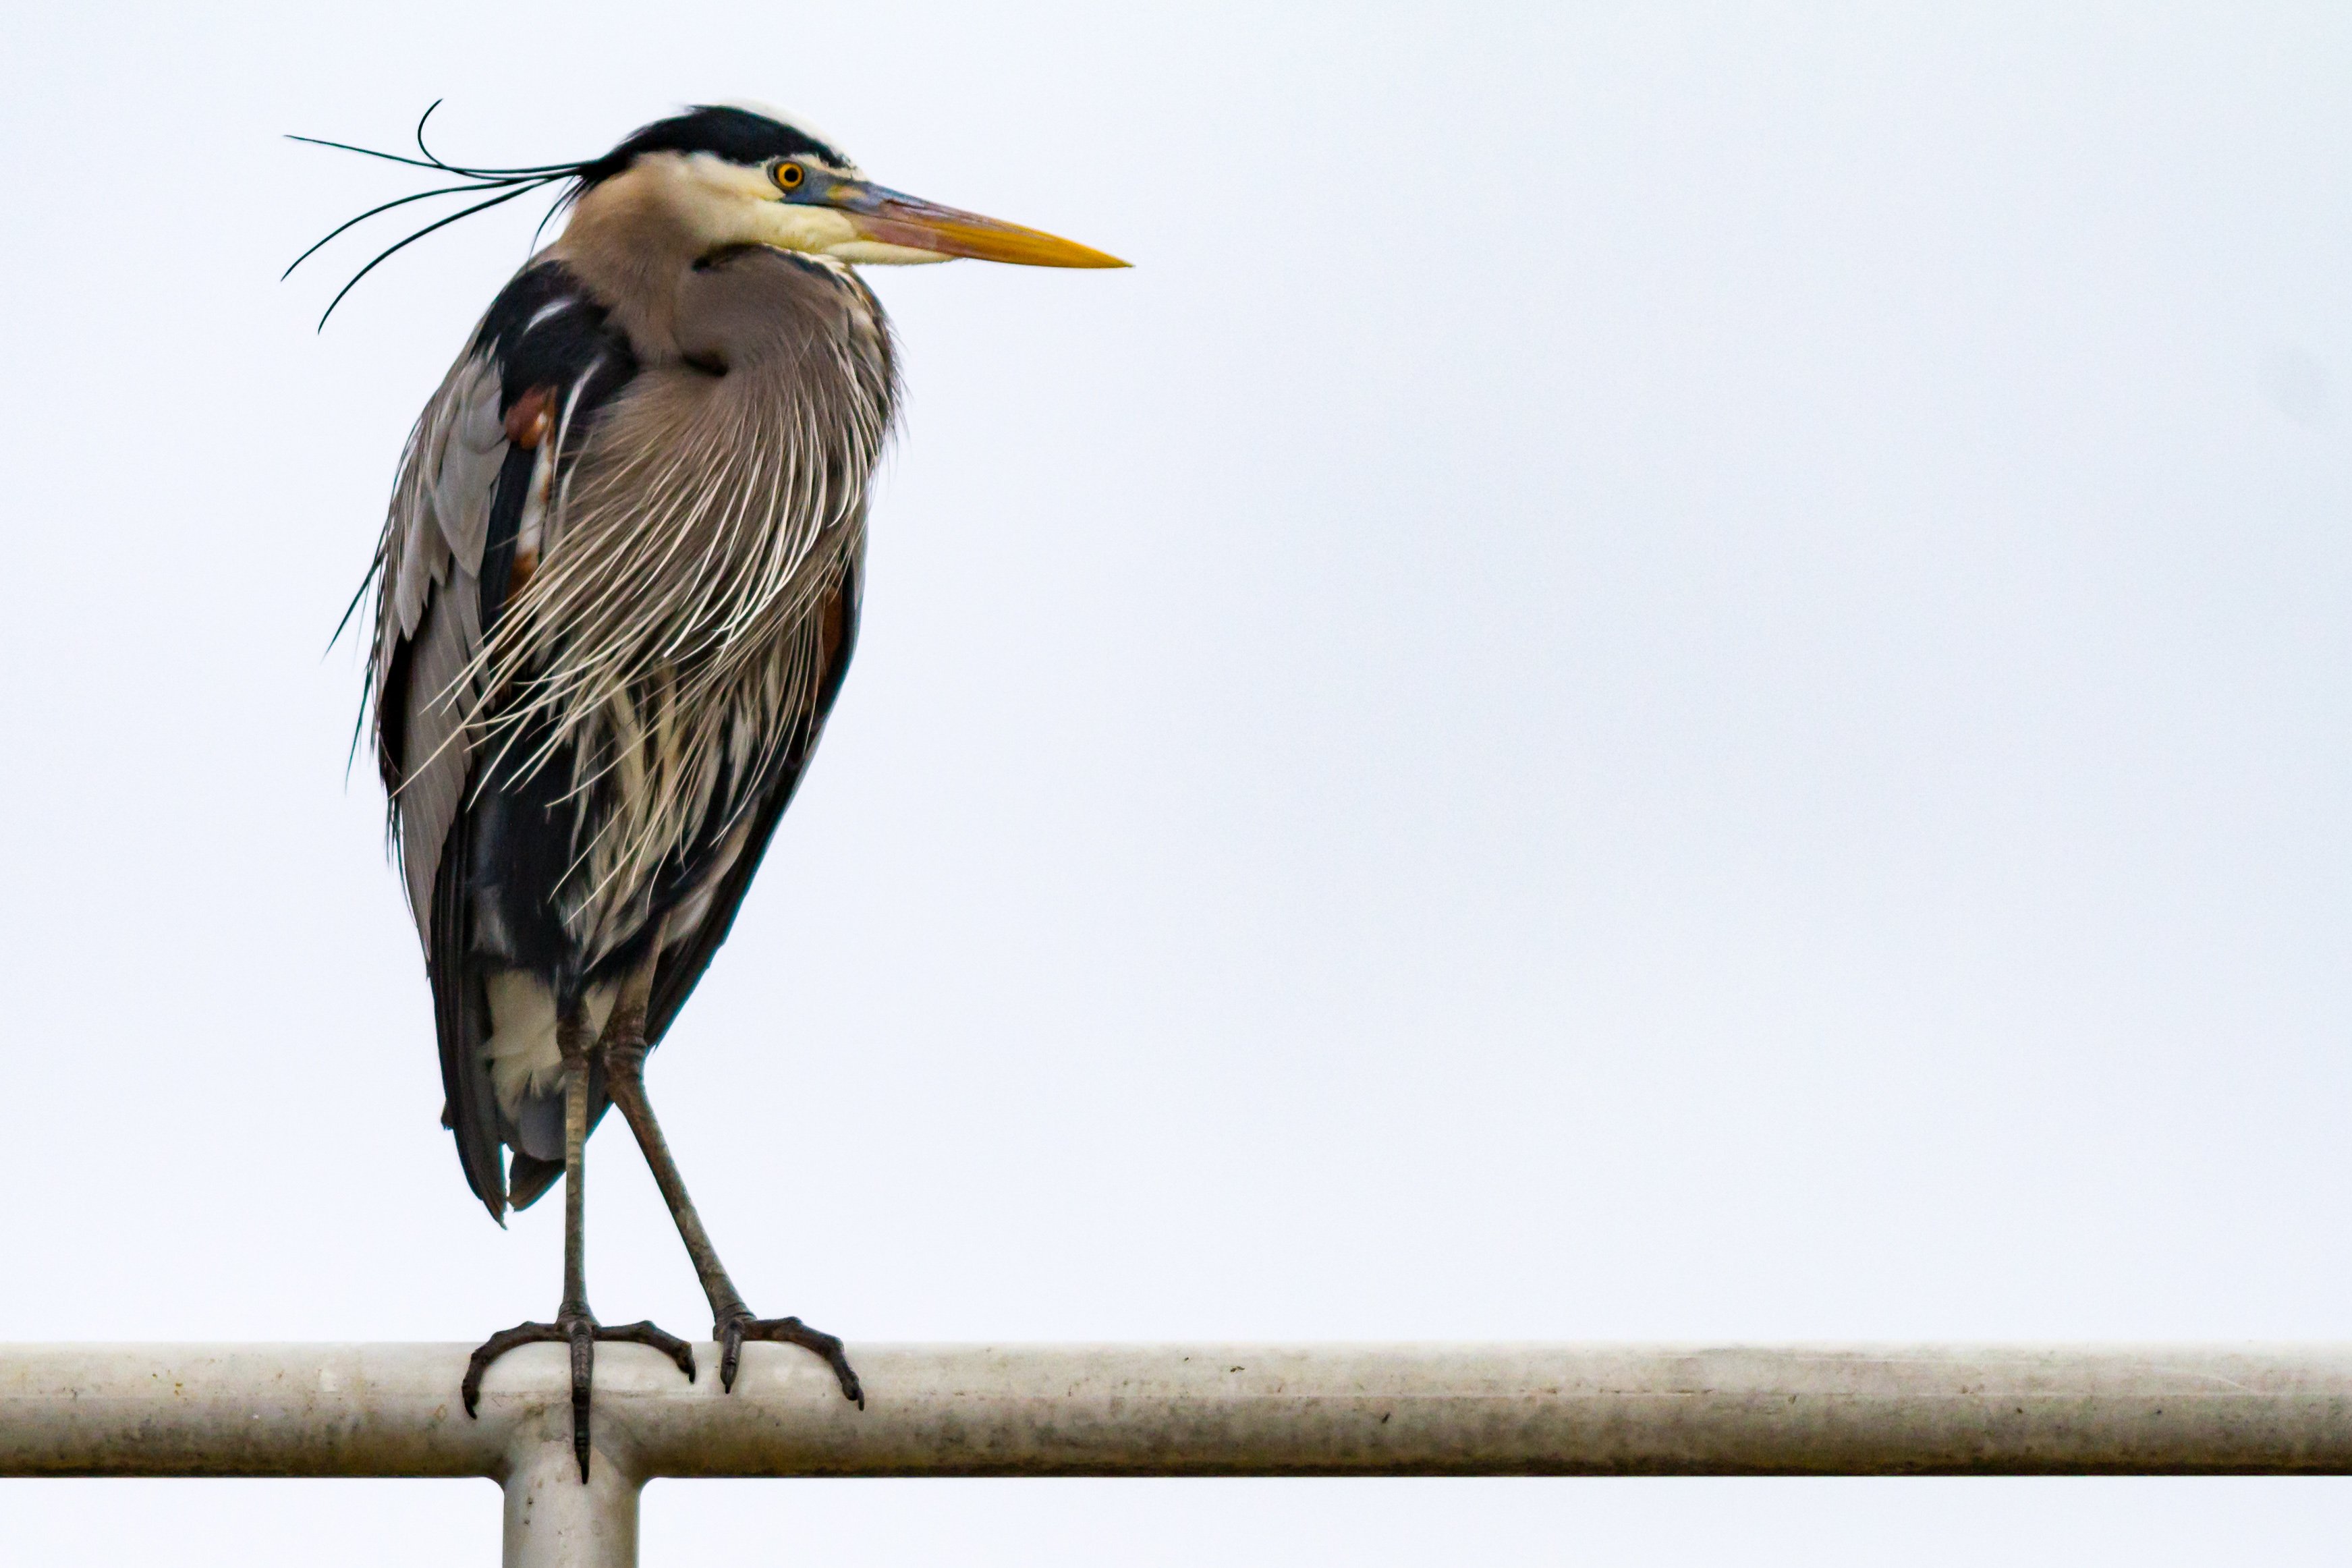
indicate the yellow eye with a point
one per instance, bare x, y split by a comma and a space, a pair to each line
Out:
788, 176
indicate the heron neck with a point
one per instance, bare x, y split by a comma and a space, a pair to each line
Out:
632, 243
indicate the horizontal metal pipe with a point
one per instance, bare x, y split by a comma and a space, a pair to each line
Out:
1197, 1410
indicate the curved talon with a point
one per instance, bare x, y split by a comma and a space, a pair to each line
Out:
582, 1333
645, 1332
730, 1351
732, 1334
490, 1350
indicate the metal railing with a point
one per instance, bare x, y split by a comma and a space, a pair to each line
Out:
1167, 1410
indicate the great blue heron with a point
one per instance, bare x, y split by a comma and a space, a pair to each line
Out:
615, 597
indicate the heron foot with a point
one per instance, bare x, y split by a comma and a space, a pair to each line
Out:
733, 1331
580, 1330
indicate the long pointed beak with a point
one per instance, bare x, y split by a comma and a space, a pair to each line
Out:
890, 217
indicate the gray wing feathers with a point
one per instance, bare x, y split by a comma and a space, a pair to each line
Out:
439, 697
432, 557
469, 469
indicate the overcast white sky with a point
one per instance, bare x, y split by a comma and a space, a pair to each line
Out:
1664, 673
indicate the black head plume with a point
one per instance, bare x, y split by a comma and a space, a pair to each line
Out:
506, 185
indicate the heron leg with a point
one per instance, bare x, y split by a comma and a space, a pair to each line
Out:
574, 1325
733, 1322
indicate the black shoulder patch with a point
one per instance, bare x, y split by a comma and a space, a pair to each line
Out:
544, 331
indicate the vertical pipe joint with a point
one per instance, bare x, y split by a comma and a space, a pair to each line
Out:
553, 1518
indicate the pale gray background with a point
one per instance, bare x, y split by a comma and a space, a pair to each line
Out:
1661, 674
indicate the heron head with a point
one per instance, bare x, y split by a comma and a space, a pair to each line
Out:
728, 175
746, 176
